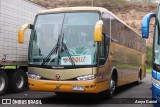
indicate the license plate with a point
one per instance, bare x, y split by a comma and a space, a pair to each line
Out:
78, 88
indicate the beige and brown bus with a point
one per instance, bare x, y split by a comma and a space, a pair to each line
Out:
82, 50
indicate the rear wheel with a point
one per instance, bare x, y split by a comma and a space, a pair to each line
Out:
3, 82
139, 78
18, 81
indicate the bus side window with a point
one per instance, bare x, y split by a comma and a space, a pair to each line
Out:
107, 43
104, 46
103, 51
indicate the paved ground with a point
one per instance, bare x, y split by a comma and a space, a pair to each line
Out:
126, 94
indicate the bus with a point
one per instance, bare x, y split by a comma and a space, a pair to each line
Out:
156, 51
82, 50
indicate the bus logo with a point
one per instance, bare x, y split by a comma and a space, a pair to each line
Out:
58, 77
58, 87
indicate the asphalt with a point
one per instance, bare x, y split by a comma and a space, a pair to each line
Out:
131, 95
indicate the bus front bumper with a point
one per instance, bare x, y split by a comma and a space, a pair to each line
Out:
88, 86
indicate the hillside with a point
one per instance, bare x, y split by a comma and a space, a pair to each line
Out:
130, 12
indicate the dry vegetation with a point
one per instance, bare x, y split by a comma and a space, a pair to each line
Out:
130, 12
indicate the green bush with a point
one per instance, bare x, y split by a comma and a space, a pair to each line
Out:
149, 56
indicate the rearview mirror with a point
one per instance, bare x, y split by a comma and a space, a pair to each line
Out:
145, 24
98, 31
21, 32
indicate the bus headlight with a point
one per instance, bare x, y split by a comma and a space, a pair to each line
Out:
86, 77
156, 82
34, 76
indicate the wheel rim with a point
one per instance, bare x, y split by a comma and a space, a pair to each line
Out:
19, 81
112, 86
2, 83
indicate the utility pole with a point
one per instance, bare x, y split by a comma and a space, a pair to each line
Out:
92, 3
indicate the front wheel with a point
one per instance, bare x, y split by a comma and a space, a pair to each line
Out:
112, 87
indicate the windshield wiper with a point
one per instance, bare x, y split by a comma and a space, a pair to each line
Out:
58, 49
54, 50
65, 48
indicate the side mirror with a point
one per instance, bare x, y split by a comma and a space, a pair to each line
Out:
21, 32
145, 24
98, 31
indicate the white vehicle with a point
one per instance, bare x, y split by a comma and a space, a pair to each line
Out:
14, 56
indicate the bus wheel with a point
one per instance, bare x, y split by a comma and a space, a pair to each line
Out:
139, 79
112, 87
3, 82
18, 81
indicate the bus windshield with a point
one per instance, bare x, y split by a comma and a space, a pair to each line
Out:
157, 41
64, 39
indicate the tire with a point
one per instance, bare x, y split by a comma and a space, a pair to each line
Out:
112, 87
3, 82
18, 81
138, 82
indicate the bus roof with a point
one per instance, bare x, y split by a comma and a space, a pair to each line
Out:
83, 8
66, 9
